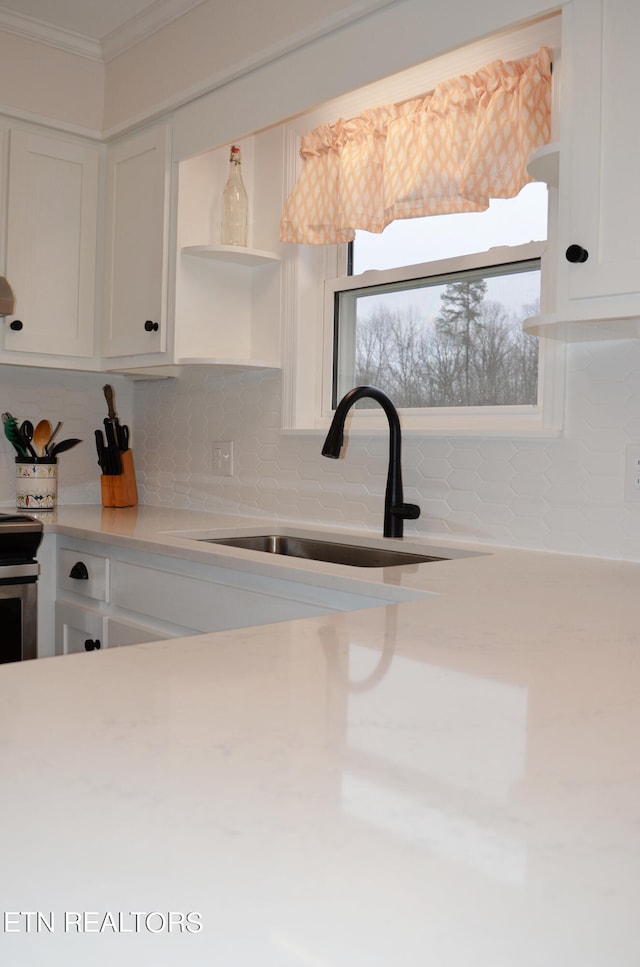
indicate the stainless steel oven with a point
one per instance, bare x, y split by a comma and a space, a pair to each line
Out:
20, 537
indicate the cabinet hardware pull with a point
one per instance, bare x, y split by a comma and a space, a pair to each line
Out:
576, 253
91, 644
151, 326
79, 571
16, 325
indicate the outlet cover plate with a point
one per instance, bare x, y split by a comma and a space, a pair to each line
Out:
223, 458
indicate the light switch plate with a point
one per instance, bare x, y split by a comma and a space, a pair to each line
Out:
223, 458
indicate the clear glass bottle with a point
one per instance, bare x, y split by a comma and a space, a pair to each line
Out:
235, 204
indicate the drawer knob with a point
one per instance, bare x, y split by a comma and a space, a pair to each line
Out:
151, 326
79, 571
16, 325
92, 644
576, 253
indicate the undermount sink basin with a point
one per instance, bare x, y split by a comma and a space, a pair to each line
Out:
327, 551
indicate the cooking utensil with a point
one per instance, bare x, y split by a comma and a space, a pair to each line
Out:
122, 431
102, 453
54, 434
117, 435
26, 435
62, 446
110, 398
114, 463
12, 434
41, 436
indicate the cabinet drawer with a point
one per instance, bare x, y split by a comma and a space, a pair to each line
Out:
127, 633
77, 630
199, 604
90, 574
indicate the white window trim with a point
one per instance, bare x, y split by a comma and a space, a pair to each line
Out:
308, 337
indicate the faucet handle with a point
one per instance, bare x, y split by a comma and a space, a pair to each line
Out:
406, 511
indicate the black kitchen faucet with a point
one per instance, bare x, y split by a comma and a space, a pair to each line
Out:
395, 510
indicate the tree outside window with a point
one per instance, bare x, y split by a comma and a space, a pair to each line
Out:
457, 345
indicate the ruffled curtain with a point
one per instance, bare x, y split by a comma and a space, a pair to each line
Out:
452, 150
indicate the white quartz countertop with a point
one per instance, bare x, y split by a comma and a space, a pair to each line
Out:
451, 782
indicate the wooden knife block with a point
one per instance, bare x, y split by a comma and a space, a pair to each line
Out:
119, 490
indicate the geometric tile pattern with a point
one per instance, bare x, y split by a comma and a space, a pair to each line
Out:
564, 494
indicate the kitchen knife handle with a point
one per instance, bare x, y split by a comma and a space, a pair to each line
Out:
108, 395
102, 457
114, 464
122, 433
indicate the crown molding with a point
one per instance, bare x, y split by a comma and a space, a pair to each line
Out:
42, 33
157, 15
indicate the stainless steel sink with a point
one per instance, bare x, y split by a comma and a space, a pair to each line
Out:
327, 551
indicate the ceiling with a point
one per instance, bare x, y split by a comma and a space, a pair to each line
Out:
98, 28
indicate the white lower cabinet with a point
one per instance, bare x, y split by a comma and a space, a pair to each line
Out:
119, 596
205, 598
87, 616
78, 629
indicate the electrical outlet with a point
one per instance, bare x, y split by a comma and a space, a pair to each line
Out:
632, 472
223, 458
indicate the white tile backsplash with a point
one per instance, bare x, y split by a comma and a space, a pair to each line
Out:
78, 400
562, 494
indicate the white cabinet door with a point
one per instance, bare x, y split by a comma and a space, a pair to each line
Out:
600, 204
52, 246
78, 629
137, 252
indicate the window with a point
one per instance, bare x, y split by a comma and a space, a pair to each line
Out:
442, 340
510, 222
439, 337
430, 310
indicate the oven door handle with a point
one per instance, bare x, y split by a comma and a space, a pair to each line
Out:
24, 572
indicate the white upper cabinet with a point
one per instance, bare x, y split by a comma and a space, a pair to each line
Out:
52, 250
598, 243
137, 224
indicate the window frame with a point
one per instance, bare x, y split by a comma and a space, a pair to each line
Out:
310, 273
517, 415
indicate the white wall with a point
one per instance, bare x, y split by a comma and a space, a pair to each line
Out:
215, 43
316, 49
392, 39
564, 494
50, 84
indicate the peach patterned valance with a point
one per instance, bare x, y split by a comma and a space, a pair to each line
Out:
452, 150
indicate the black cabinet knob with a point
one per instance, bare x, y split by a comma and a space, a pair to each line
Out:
79, 571
151, 326
576, 253
92, 644
16, 325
